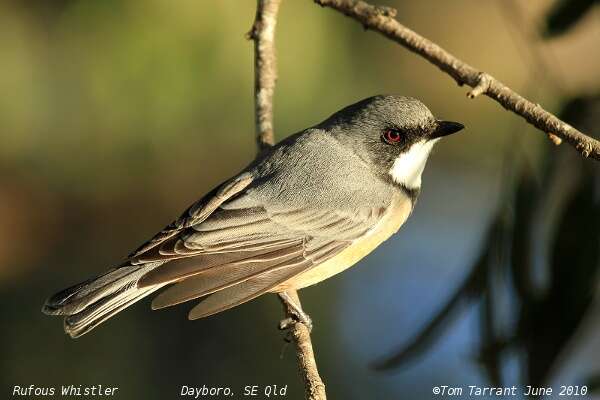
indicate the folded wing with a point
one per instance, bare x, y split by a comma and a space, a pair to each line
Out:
241, 252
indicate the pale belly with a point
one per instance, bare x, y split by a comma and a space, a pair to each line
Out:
390, 223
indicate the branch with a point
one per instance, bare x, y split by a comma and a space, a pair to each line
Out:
314, 388
381, 19
265, 69
265, 75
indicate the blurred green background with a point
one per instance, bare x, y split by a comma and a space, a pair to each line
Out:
116, 115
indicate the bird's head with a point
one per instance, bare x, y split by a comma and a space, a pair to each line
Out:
392, 134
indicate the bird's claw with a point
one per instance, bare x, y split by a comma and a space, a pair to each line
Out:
297, 315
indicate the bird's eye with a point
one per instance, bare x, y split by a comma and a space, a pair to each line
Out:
392, 136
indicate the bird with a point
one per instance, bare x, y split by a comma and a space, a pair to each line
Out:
304, 210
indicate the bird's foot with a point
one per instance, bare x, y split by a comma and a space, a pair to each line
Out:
297, 314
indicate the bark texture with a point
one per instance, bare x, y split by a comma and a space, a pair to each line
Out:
382, 20
265, 76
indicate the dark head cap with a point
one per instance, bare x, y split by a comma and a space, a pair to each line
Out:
394, 134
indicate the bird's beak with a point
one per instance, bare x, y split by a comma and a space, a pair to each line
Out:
445, 128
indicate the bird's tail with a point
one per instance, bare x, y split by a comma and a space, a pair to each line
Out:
88, 304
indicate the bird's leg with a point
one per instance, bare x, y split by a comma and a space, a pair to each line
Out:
297, 313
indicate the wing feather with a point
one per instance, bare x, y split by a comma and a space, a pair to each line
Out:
235, 251
215, 279
235, 273
197, 212
187, 267
248, 290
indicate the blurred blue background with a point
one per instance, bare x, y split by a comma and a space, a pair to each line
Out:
116, 115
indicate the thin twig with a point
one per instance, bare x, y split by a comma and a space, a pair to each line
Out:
314, 388
265, 69
381, 19
265, 75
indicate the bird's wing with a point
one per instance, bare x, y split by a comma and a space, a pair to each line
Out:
196, 213
248, 247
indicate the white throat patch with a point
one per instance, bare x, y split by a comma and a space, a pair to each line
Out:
408, 167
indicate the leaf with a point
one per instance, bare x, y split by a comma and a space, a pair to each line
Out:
564, 14
526, 203
575, 262
472, 287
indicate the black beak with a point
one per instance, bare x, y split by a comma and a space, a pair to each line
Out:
445, 128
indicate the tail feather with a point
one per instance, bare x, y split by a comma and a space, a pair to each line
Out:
81, 323
92, 302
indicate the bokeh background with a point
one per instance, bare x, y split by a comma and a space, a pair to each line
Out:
116, 115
